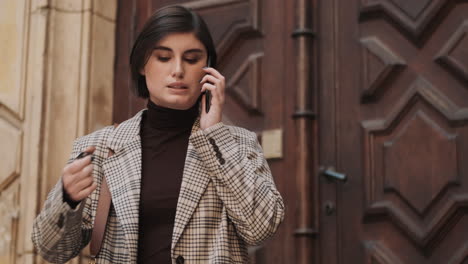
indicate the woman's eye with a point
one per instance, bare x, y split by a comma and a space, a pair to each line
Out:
192, 61
164, 59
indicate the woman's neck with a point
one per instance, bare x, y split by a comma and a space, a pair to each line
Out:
166, 118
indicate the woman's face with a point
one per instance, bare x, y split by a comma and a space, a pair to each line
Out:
174, 70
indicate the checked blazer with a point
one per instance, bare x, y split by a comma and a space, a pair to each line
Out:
228, 199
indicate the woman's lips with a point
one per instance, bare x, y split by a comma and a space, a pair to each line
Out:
178, 85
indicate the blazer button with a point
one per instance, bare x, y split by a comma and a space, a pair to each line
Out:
219, 155
212, 141
180, 260
215, 148
222, 161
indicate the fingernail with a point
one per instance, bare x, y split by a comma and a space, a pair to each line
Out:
82, 155
206, 67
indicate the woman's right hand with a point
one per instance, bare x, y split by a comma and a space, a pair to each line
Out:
77, 177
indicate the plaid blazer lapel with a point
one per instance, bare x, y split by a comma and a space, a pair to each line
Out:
195, 179
123, 174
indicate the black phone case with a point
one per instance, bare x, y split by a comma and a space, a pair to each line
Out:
208, 100
208, 93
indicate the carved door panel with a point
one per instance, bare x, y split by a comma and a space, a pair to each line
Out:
394, 119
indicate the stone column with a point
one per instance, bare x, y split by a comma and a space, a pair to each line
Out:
56, 83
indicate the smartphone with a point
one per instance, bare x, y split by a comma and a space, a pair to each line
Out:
208, 93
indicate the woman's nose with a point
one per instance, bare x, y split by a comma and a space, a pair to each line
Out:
178, 70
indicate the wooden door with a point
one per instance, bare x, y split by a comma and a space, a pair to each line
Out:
252, 38
244, 35
393, 117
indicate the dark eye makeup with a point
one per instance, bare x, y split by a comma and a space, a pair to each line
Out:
163, 59
189, 60
164, 54
192, 61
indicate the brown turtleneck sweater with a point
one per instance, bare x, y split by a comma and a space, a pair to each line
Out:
164, 138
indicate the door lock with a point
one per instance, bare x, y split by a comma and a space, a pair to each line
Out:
329, 208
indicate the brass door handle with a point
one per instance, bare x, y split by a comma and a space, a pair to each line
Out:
333, 175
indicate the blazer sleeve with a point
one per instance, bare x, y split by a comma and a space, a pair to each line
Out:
242, 179
60, 232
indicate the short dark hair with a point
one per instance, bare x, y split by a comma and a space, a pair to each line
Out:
166, 20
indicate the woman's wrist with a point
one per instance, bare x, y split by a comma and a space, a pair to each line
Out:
67, 199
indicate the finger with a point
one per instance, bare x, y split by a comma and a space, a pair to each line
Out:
86, 152
75, 188
70, 180
86, 172
83, 184
203, 102
209, 78
86, 192
217, 95
214, 72
78, 165
208, 86
219, 84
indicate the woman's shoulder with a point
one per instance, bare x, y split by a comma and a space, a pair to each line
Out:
126, 129
95, 138
241, 132
244, 137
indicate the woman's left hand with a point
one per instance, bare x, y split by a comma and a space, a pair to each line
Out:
215, 83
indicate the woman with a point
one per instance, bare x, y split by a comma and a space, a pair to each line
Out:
185, 188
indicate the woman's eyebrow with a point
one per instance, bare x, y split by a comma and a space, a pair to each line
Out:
185, 52
162, 48
193, 51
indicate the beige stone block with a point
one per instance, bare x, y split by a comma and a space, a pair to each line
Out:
35, 92
69, 5
101, 73
31, 128
12, 28
84, 72
106, 8
11, 141
64, 101
71, 57
9, 209
26, 258
37, 5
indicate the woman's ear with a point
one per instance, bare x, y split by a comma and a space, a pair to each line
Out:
142, 71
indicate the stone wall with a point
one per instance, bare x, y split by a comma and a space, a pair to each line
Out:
56, 83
